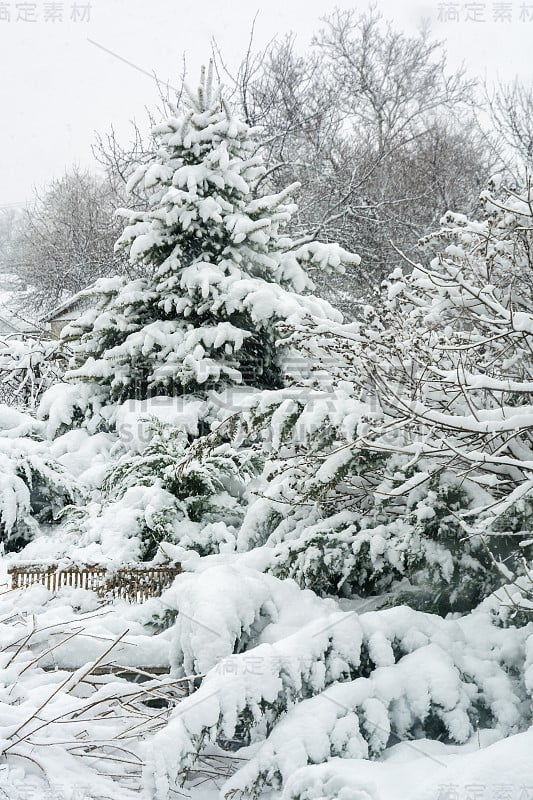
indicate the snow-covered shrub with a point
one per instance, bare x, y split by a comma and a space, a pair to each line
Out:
28, 367
64, 407
307, 683
152, 481
341, 517
229, 609
34, 489
198, 484
426, 768
414, 427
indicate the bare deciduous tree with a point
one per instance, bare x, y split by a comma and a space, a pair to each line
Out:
510, 133
375, 128
64, 239
371, 123
8, 219
118, 162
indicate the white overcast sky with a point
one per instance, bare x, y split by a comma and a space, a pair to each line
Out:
56, 88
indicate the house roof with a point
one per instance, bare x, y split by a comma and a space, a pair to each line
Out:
65, 306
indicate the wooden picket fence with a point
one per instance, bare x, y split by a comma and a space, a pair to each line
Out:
135, 583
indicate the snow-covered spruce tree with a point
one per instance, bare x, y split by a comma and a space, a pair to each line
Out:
219, 270
219, 275
416, 462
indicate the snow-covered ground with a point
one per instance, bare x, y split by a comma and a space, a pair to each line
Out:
254, 641
48, 718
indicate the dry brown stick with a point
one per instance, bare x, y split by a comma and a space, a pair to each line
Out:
29, 758
123, 734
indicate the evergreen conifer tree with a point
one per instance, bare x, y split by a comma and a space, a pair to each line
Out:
219, 270
219, 276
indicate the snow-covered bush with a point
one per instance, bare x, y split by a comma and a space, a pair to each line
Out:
306, 682
28, 367
405, 452
65, 718
198, 484
34, 489
341, 517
